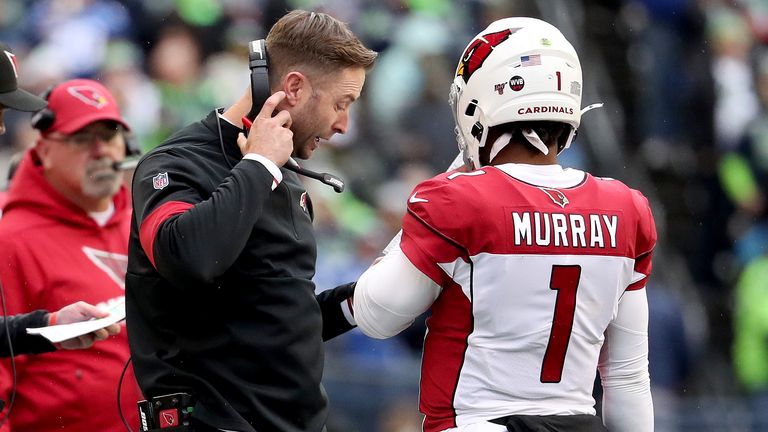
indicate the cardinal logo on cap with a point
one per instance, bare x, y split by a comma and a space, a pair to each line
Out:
12, 58
88, 95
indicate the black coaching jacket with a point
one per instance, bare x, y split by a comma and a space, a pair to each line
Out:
219, 294
21, 341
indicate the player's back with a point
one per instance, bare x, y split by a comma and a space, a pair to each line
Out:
535, 260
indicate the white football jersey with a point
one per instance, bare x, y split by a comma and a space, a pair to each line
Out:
531, 277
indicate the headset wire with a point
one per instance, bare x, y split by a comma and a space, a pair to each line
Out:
13, 361
119, 386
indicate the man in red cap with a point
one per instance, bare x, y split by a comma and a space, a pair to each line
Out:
13, 97
64, 237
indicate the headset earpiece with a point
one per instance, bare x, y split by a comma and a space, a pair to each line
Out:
43, 119
258, 62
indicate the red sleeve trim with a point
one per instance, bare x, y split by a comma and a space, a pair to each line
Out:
151, 225
351, 306
638, 285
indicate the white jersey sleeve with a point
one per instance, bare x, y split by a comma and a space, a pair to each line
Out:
390, 295
623, 366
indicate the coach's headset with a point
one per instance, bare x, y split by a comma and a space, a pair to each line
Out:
43, 120
258, 62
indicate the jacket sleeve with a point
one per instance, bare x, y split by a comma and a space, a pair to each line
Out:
333, 303
15, 328
189, 237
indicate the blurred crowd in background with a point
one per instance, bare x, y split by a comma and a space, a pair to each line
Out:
685, 87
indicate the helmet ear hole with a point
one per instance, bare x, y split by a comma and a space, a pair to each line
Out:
471, 107
477, 131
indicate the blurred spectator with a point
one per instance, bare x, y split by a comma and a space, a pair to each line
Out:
744, 175
426, 123
736, 104
398, 75
135, 93
75, 33
669, 355
176, 65
750, 347
64, 237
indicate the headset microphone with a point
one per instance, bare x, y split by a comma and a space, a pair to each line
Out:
331, 180
126, 164
258, 62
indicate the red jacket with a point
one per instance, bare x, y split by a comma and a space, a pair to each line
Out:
53, 254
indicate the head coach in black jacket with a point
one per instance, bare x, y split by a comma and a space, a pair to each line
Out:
219, 291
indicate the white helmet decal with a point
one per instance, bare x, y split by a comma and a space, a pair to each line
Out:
517, 69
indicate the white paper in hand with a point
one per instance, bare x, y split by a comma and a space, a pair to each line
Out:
62, 332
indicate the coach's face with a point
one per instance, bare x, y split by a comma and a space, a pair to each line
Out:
80, 164
322, 108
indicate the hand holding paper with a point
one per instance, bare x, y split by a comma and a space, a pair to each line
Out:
80, 324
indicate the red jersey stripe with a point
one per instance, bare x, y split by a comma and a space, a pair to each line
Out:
446, 343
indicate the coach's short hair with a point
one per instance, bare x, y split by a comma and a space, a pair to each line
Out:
315, 41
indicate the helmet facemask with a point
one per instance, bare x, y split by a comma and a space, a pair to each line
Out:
470, 141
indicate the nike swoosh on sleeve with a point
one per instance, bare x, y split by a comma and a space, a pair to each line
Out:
414, 199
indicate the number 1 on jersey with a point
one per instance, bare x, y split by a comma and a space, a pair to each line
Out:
564, 280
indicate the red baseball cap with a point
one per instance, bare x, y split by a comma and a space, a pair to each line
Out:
80, 102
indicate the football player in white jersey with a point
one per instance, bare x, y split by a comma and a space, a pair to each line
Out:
534, 273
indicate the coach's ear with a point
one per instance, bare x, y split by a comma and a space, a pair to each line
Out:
297, 88
44, 150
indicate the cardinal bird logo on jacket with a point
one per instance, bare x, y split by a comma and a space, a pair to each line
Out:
303, 202
479, 50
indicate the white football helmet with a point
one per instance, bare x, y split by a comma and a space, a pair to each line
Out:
517, 69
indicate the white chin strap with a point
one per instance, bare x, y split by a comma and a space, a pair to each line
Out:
499, 145
535, 141
529, 134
